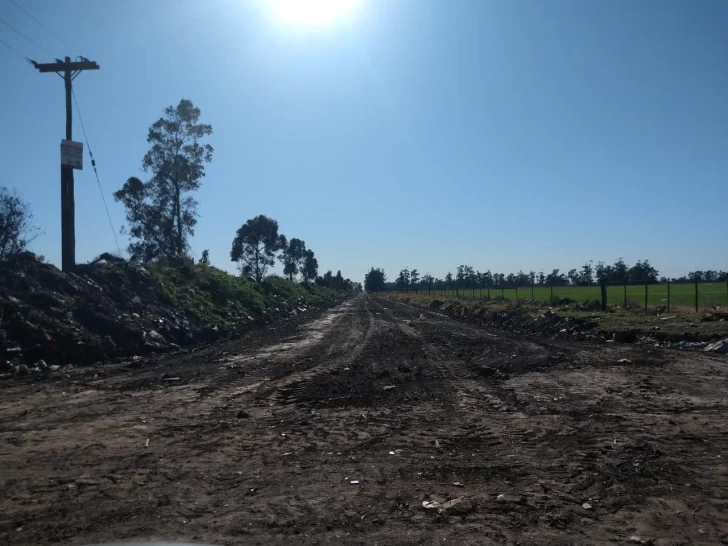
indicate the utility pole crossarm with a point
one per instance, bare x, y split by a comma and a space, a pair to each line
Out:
62, 67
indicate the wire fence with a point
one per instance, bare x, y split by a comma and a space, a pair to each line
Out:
667, 296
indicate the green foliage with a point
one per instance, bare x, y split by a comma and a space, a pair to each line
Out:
214, 296
309, 268
337, 282
16, 230
205, 258
255, 245
403, 280
374, 280
293, 257
161, 216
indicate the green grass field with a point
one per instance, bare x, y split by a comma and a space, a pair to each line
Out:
681, 295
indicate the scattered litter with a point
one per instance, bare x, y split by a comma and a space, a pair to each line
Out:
388, 387
666, 318
453, 502
431, 505
500, 497
354, 482
146, 444
624, 361
636, 540
458, 484
437, 444
718, 347
586, 506
171, 379
391, 452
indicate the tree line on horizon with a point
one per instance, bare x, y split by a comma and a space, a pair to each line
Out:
590, 274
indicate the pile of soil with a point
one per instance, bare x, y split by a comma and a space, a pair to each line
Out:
103, 311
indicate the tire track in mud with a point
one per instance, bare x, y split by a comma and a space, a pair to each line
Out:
339, 353
470, 394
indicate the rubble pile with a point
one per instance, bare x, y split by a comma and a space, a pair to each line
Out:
113, 309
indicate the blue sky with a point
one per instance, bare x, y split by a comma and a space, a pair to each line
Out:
511, 134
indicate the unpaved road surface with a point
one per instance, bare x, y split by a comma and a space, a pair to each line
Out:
335, 429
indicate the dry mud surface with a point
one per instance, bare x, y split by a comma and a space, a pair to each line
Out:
337, 427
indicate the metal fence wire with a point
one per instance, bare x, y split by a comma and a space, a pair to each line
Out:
666, 296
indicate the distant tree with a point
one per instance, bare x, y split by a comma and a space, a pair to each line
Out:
586, 276
460, 277
403, 280
428, 281
448, 281
620, 272
16, 229
643, 272
522, 278
374, 280
160, 212
255, 245
309, 267
604, 273
556, 279
541, 278
414, 278
573, 276
292, 257
205, 258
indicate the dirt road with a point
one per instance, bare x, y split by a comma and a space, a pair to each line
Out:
336, 428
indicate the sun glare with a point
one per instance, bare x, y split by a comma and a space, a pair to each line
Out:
312, 12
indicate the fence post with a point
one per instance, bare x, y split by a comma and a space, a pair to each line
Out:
489, 292
516, 293
668, 294
696, 296
552, 292
503, 293
533, 298
646, 285
625, 295
603, 285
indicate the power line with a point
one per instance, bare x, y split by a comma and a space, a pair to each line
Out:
24, 36
11, 48
21, 8
93, 164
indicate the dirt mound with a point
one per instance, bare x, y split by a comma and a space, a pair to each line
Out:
112, 309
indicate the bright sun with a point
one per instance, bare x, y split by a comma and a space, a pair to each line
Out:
312, 12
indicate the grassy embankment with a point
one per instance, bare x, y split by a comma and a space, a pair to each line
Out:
214, 296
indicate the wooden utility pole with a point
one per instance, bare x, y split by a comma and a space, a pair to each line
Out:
68, 71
